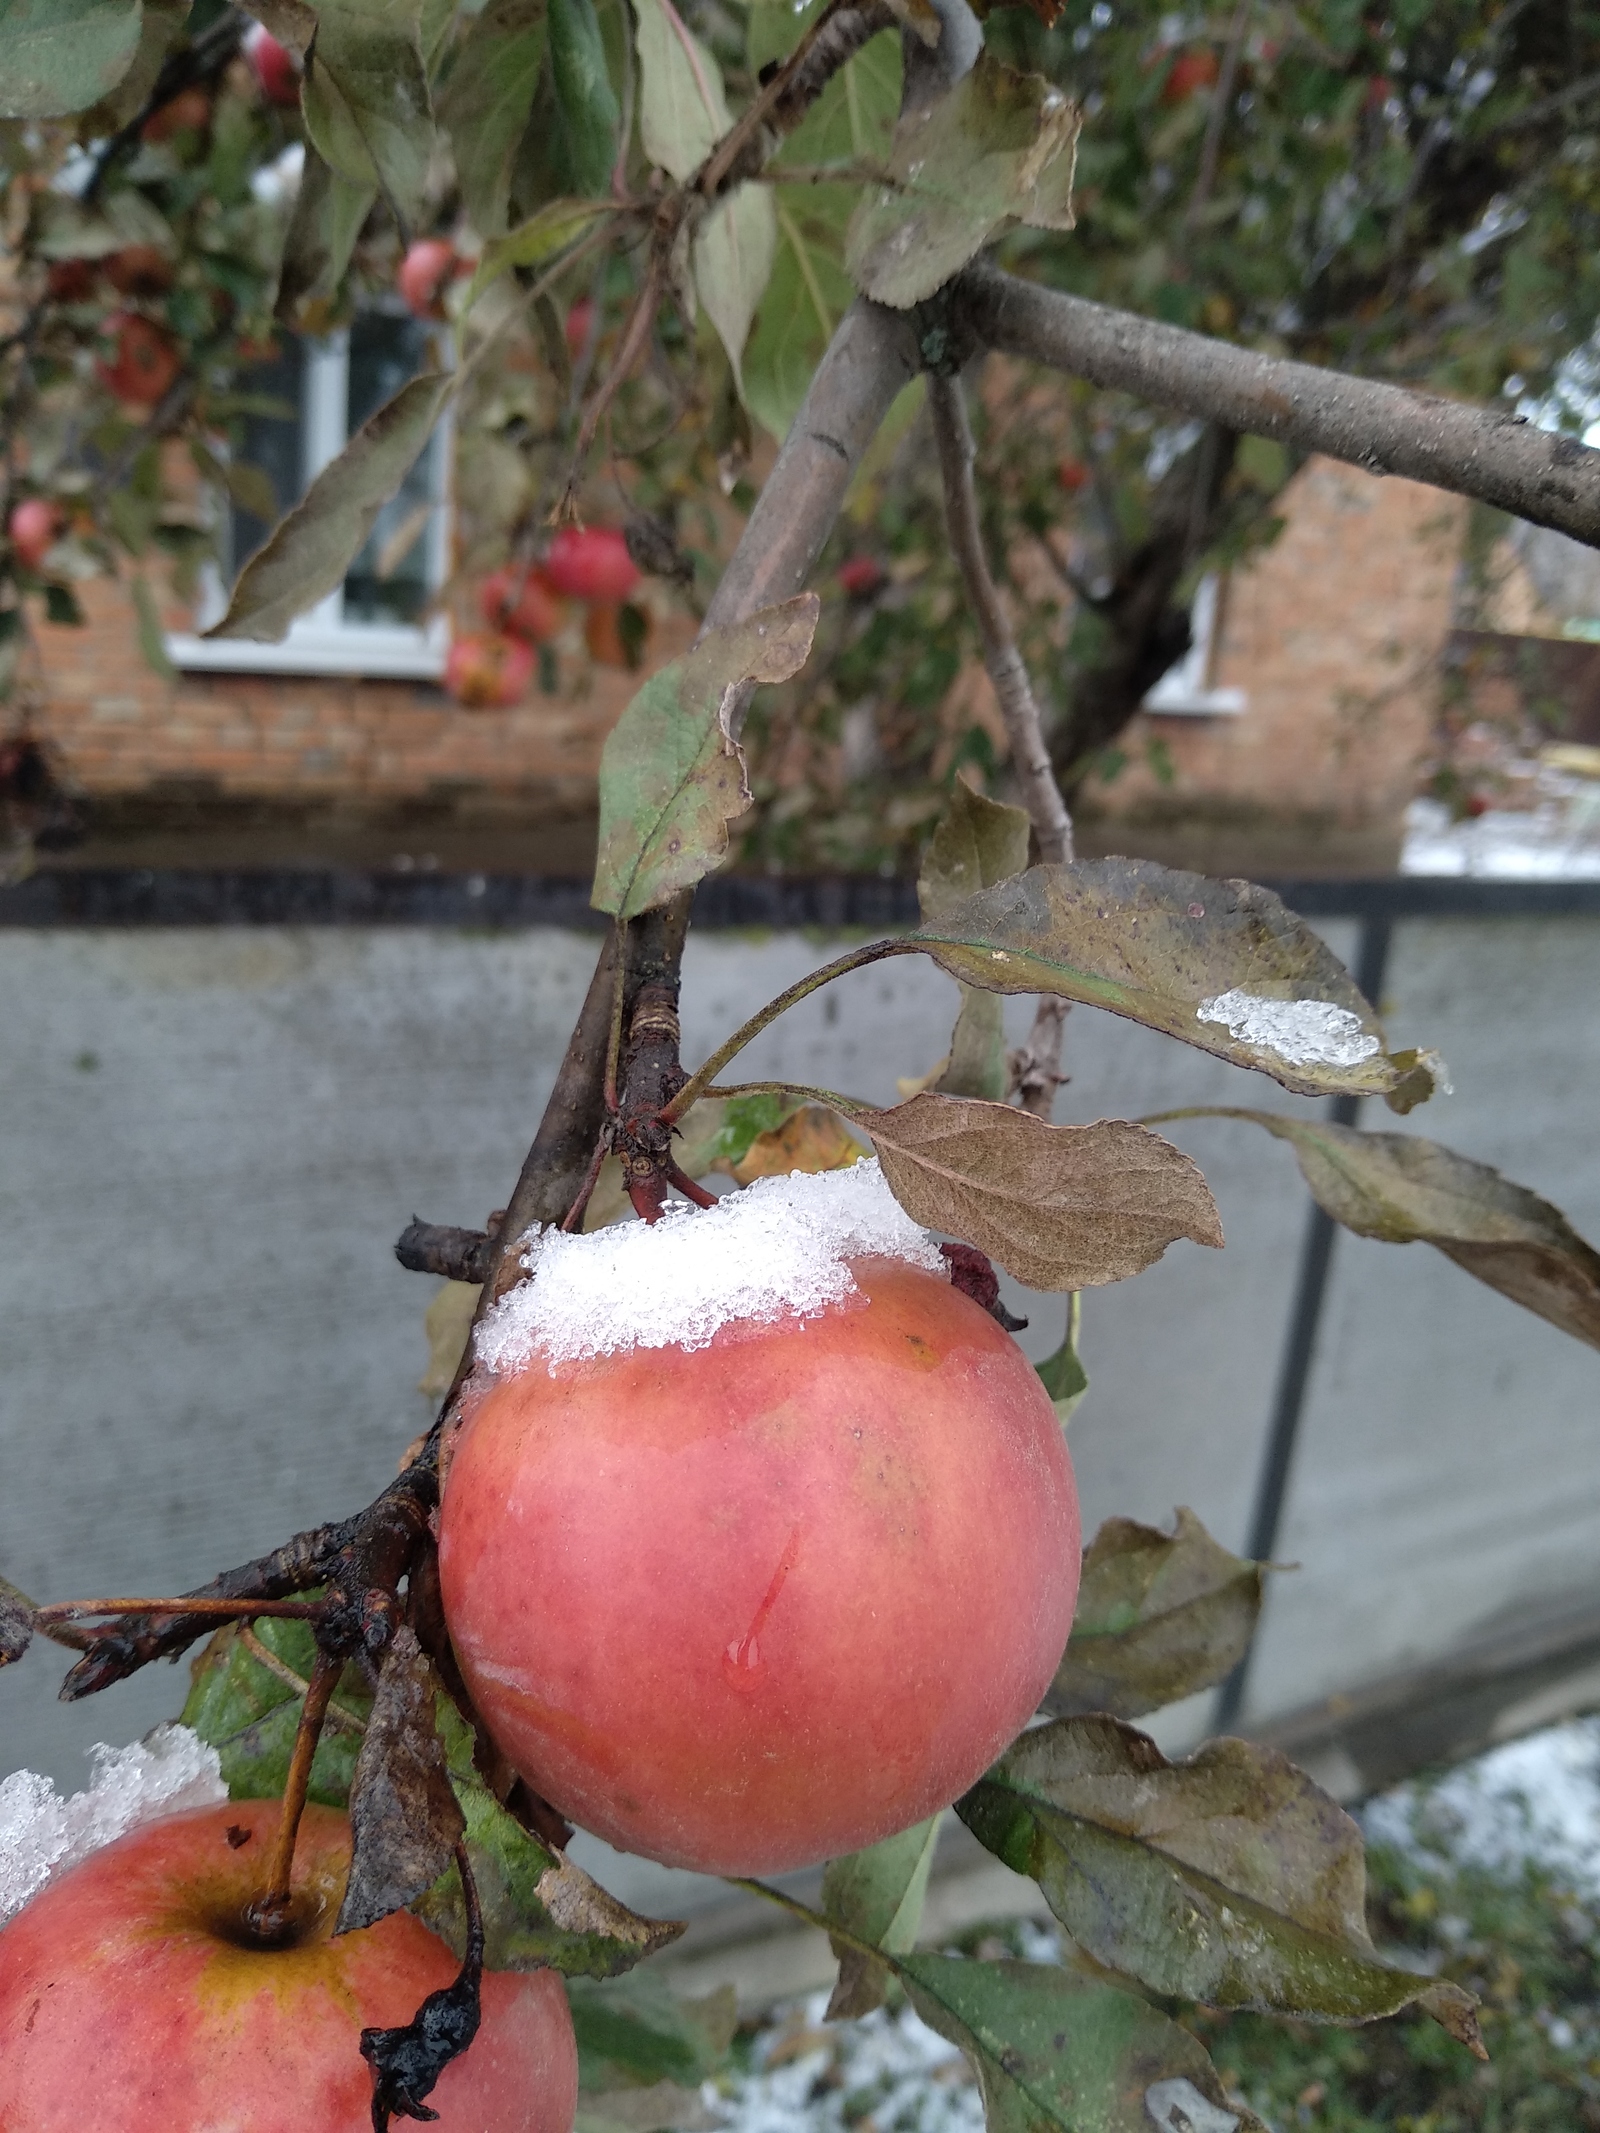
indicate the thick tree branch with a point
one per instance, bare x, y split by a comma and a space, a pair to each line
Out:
1494, 458
1036, 1068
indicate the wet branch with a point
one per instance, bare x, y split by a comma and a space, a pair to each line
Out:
1036, 1068
1495, 458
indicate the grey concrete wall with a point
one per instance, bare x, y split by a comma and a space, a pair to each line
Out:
209, 1140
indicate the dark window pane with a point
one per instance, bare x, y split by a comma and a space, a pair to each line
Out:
273, 443
388, 581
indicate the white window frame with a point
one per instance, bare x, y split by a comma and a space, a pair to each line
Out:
322, 641
1188, 690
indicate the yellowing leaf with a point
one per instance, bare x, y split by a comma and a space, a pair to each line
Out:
671, 775
556, 225
1060, 1207
998, 147
813, 1140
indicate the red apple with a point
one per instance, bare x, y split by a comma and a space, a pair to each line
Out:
488, 673
133, 1997
860, 575
518, 601
188, 112
144, 364
576, 326
590, 563
1073, 475
140, 270
274, 66
1189, 72
750, 1606
422, 275
33, 527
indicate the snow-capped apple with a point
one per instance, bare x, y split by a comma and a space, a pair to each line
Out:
488, 673
423, 274
143, 364
759, 1540
274, 66
591, 563
518, 601
134, 1996
33, 527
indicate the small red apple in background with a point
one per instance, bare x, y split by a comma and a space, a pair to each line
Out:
71, 281
133, 1998
518, 602
274, 66
140, 270
33, 528
754, 1605
860, 575
144, 364
1073, 475
590, 563
1379, 90
576, 326
423, 273
488, 673
1190, 71
188, 112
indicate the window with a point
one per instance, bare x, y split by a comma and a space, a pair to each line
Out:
377, 622
1189, 689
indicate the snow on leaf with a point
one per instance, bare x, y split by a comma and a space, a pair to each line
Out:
1299, 1032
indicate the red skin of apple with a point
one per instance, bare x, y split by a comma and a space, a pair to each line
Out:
576, 326
273, 66
33, 528
427, 266
488, 673
754, 1606
590, 563
1191, 71
519, 603
124, 2004
860, 575
145, 364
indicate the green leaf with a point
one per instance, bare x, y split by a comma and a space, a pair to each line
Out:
158, 31
152, 637
733, 252
671, 775
366, 104
247, 1708
1062, 1374
1052, 2050
997, 147
61, 56
976, 843
1229, 1878
556, 225
718, 1132
806, 295
1160, 1615
1223, 965
539, 1909
877, 1896
683, 107
1406, 1190
329, 210
585, 103
1060, 1207
636, 2030
310, 550
487, 101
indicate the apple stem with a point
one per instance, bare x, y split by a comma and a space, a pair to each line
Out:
269, 1914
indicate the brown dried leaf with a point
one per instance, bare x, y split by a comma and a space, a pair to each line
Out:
1402, 1189
16, 1623
1196, 958
813, 1140
405, 1817
1160, 1615
1059, 1207
582, 1908
1229, 1878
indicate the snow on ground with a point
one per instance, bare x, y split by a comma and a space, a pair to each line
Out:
1559, 840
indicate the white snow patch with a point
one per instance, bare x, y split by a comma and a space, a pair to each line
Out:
778, 1249
41, 1834
1299, 1032
887, 2070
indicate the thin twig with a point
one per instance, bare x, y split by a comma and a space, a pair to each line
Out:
1036, 1068
287, 1610
1217, 117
